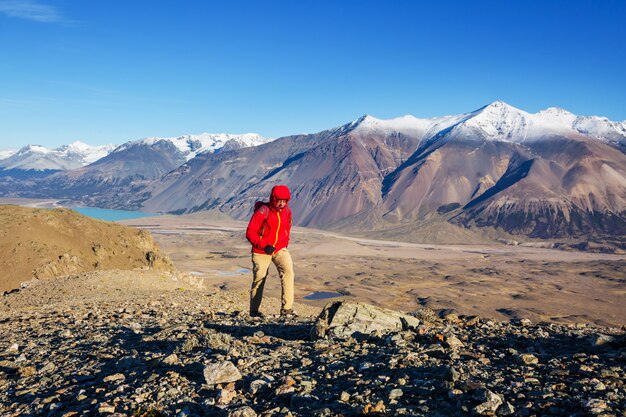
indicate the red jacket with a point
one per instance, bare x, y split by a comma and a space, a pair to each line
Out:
269, 226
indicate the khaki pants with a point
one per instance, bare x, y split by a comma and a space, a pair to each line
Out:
260, 271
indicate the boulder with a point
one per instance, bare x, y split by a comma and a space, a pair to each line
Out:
343, 319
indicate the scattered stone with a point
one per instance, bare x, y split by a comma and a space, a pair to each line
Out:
528, 359
472, 322
136, 328
225, 396
600, 340
395, 393
454, 393
243, 412
491, 402
449, 314
488, 407
453, 342
171, 359
115, 378
484, 394
48, 368
257, 386
598, 385
596, 405
607, 373
106, 408
379, 407
221, 372
284, 389
506, 409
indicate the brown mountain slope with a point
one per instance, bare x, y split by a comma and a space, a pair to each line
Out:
444, 176
210, 180
332, 175
574, 188
41, 243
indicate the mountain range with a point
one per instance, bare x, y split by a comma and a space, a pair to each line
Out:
41, 161
78, 154
550, 174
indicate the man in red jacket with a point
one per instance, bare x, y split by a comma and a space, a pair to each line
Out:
268, 232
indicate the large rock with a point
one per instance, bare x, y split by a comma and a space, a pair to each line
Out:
342, 319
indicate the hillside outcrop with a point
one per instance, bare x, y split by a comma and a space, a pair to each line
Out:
42, 243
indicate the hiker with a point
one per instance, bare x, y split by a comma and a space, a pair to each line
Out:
268, 232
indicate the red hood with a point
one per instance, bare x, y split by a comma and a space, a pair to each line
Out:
280, 192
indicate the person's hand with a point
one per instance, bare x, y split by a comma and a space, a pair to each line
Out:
269, 249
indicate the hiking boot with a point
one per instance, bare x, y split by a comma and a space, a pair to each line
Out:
288, 314
257, 314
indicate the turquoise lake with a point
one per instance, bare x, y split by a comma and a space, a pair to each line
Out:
111, 215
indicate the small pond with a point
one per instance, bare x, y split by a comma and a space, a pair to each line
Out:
321, 295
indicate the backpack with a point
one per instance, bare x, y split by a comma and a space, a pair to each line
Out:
257, 206
260, 204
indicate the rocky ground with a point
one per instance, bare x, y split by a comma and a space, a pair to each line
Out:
145, 343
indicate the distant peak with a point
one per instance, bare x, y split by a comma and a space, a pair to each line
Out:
365, 120
496, 111
499, 105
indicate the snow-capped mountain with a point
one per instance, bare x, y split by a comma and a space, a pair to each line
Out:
40, 158
497, 121
500, 121
191, 145
79, 154
139, 161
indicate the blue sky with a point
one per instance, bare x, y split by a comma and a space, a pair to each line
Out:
113, 71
